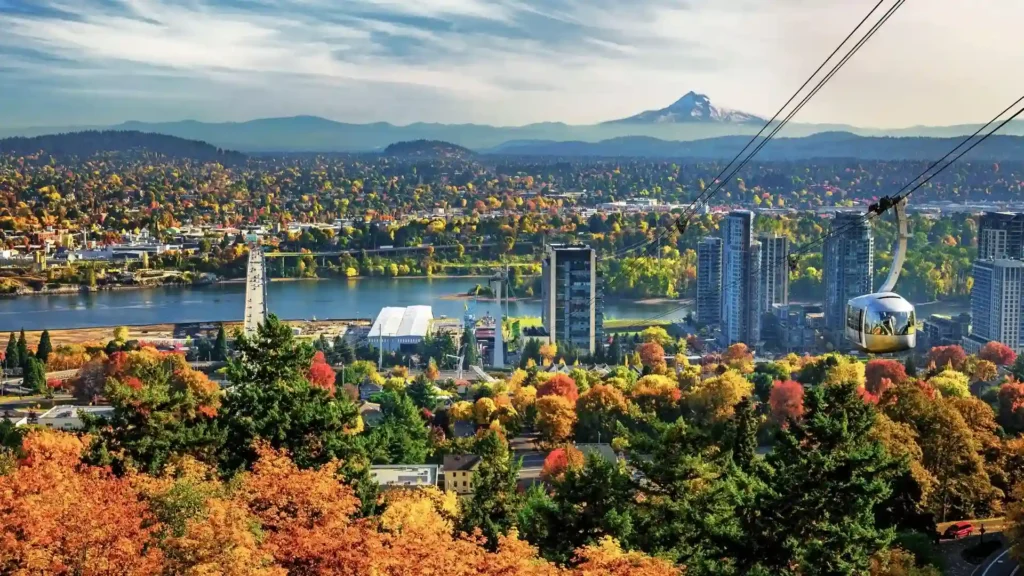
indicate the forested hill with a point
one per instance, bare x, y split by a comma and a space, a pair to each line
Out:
89, 143
428, 149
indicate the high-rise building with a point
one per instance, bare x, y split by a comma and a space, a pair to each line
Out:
996, 304
741, 280
1001, 235
848, 268
571, 296
774, 271
709, 280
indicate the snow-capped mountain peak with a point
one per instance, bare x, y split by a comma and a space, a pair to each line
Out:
692, 107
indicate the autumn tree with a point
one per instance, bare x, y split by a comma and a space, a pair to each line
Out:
555, 419
652, 356
657, 394
431, 372
547, 353
559, 385
739, 357
162, 408
320, 373
598, 410
656, 334
1015, 520
997, 353
715, 399
58, 516
1011, 406
943, 356
877, 370
951, 383
559, 460
786, 401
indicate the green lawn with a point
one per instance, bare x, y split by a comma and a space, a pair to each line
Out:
631, 324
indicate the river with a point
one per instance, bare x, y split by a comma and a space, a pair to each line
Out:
324, 299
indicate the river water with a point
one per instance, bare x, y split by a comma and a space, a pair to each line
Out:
324, 299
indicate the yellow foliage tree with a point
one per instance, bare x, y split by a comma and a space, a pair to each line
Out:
715, 399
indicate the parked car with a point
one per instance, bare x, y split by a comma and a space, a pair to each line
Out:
959, 530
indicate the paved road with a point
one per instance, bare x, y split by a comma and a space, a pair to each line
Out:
1000, 565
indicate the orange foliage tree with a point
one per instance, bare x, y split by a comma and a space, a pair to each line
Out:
559, 385
652, 355
1011, 406
880, 369
942, 356
997, 353
559, 460
58, 516
555, 419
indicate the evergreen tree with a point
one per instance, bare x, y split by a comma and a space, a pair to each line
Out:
744, 442
44, 348
614, 355
824, 479
220, 345
347, 354
34, 376
422, 392
23, 354
495, 502
531, 350
402, 436
472, 357
11, 357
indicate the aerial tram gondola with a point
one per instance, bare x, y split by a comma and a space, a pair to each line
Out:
884, 322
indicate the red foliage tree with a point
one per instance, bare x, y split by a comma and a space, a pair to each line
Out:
878, 370
787, 401
1011, 406
559, 460
943, 356
997, 353
559, 385
320, 373
651, 354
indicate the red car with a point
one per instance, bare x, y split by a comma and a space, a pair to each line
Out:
959, 530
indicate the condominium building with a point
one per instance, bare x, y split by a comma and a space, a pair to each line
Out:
741, 280
709, 280
571, 296
848, 268
774, 271
996, 304
1001, 235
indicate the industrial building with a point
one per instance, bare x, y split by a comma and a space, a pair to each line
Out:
401, 329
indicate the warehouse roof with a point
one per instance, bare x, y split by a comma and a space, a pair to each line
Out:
393, 321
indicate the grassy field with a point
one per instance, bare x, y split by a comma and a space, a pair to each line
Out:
631, 324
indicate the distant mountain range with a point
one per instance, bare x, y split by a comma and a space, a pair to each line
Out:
90, 142
692, 117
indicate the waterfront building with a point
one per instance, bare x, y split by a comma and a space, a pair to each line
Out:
709, 281
741, 280
571, 296
401, 328
848, 269
996, 304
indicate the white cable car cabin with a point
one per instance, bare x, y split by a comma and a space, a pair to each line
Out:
884, 322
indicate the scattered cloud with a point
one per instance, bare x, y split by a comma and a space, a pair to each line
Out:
494, 61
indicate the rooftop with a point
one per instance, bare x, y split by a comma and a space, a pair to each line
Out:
405, 475
76, 411
461, 462
398, 322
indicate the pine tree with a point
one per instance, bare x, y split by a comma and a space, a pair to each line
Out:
495, 502
35, 375
11, 357
910, 367
347, 354
45, 347
220, 346
614, 355
744, 442
422, 392
23, 354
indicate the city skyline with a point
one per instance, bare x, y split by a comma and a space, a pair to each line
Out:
489, 61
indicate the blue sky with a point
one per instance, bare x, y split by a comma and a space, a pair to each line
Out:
506, 62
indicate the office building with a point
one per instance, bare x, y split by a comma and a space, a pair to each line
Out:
1001, 235
741, 280
996, 304
709, 281
942, 330
774, 271
848, 269
571, 296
